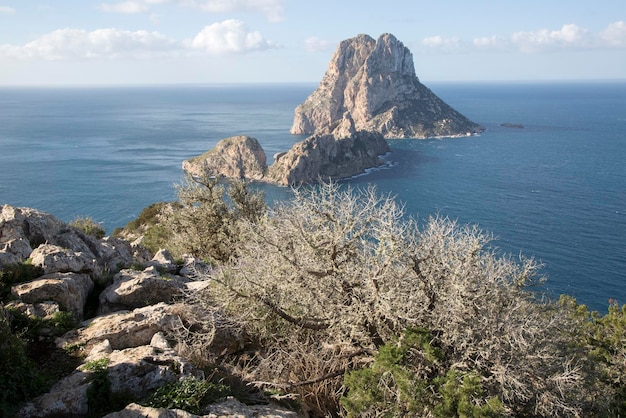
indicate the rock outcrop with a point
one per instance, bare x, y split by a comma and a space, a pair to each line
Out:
344, 153
375, 81
236, 157
139, 334
332, 156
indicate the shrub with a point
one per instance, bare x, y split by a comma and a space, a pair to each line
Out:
19, 376
17, 273
189, 394
207, 223
89, 227
331, 280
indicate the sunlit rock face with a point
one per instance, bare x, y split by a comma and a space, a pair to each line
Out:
375, 82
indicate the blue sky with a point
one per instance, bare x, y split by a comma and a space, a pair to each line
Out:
67, 42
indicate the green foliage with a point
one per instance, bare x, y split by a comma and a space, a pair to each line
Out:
32, 328
88, 226
189, 394
96, 366
17, 273
460, 395
100, 398
392, 386
605, 338
152, 225
19, 376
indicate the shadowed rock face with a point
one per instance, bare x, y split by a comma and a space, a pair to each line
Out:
375, 82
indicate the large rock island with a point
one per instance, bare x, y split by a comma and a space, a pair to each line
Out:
375, 81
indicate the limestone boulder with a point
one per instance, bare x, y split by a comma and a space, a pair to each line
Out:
240, 157
36, 310
123, 329
228, 408
375, 81
164, 261
69, 290
134, 289
54, 259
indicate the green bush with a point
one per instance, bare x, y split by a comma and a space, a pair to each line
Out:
19, 376
17, 273
189, 394
88, 226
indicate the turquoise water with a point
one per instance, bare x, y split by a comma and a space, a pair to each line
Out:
554, 190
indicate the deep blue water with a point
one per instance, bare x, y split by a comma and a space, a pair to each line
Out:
554, 190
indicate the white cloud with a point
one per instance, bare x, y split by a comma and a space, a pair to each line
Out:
315, 44
7, 9
439, 42
127, 7
490, 42
272, 9
568, 37
229, 36
102, 43
615, 34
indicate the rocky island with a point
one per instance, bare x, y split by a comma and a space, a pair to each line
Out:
341, 154
375, 81
369, 92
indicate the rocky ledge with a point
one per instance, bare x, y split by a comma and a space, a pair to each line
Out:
344, 153
138, 311
375, 81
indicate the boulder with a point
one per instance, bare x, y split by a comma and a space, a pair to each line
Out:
53, 259
69, 290
239, 157
123, 329
228, 408
164, 261
375, 81
134, 289
35, 310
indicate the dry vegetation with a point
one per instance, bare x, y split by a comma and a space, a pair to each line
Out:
355, 310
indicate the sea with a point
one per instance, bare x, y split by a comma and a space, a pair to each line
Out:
551, 186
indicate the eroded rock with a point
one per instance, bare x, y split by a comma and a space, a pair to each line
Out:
375, 81
240, 157
69, 290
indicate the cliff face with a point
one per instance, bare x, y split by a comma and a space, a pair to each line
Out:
375, 82
344, 153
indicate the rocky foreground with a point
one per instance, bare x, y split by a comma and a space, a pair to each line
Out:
136, 313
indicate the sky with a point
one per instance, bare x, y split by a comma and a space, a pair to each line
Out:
113, 42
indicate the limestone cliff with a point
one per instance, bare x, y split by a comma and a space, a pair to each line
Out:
345, 153
235, 157
375, 82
